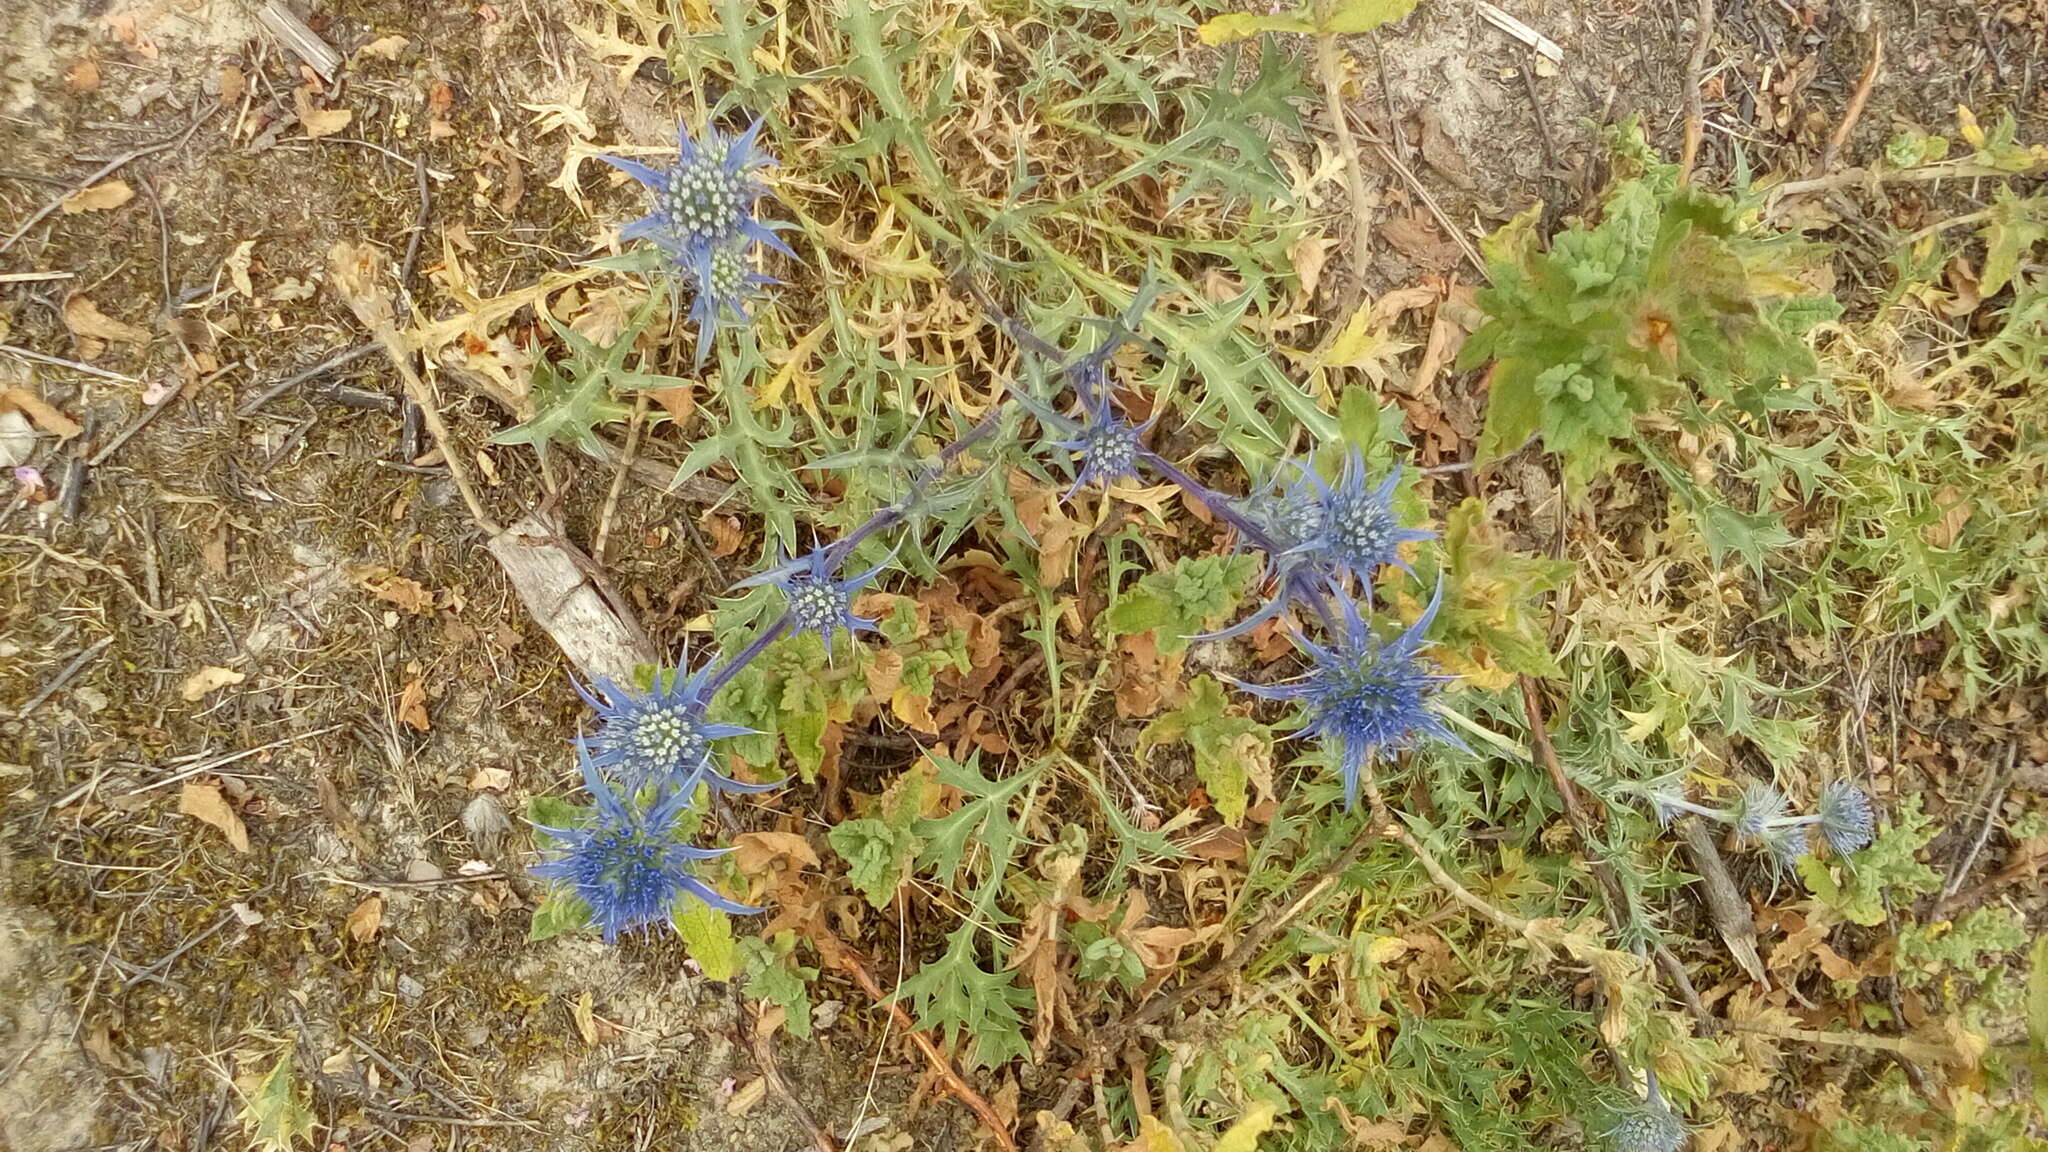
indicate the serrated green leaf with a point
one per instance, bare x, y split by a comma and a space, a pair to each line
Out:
1225, 746
559, 911
774, 975
2016, 224
1245, 25
707, 937
272, 1115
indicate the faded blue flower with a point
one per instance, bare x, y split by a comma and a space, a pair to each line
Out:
661, 739
631, 866
1759, 809
1648, 1127
1107, 446
818, 602
706, 202
1365, 696
1846, 822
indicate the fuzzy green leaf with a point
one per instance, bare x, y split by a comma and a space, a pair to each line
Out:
707, 937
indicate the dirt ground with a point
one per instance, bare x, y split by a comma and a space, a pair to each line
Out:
264, 590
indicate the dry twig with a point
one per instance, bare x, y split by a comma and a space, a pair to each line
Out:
1861, 97
1695, 67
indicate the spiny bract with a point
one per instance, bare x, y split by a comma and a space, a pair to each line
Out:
1845, 817
631, 866
1356, 529
1649, 1127
818, 602
661, 738
1365, 695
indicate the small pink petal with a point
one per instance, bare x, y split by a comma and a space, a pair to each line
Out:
30, 479
154, 392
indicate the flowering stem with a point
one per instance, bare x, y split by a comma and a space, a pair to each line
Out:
1216, 502
893, 514
734, 666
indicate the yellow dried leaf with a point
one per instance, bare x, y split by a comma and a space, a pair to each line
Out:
205, 803
208, 679
98, 198
319, 122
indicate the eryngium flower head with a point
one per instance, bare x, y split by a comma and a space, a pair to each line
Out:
661, 738
1648, 1127
706, 202
1108, 447
1758, 810
817, 602
631, 866
723, 284
1356, 528
1845, 817
1366, 696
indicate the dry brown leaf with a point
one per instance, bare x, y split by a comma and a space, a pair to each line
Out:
99, 198
679, 402
388, 47
763, 853
233, 84
208, 679
362, 924
1955, 512
490, 780
319, 122
40, 412
585, 1014
204, 802
83, 76
723, 532
388, 586
412, 706
84, 318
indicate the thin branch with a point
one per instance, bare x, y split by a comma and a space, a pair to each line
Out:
1695, 67
108, 169
839, 956
1329, 68
1840, 136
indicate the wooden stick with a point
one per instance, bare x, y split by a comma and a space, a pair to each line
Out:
1695, 112
1861, 97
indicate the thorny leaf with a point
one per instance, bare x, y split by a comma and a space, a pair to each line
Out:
272, 1115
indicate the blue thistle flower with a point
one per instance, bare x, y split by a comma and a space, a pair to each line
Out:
706, 202
631, 866
723, 287
1759, 809
1846, 822
661, 739
1356, 529
818, 602
1107, 446
1365, 695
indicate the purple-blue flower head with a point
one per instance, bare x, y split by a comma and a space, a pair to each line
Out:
1846, 822
631, 866
1107, 446
1356, 529
1366, 696
661, 739
706, 202
818, 601
723, 286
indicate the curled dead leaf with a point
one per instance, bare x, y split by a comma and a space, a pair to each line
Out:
208, 679
204, 802
84, 318
40, 412
363, 922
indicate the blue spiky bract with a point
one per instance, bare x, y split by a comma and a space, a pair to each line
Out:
1107, 446
1846, 821
1356, 529
704, 220
723, 288
1366, 696
1758, 809
818, 601
630, 864
662, 738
